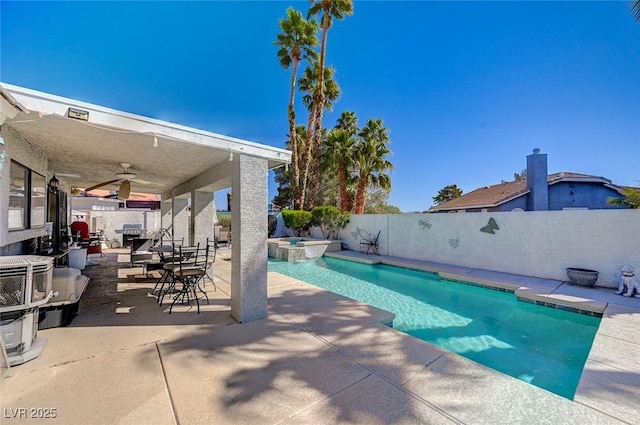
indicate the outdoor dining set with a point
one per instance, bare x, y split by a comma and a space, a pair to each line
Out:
184, 270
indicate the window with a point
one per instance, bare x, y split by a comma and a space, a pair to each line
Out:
38, 199
27, 198
19, 176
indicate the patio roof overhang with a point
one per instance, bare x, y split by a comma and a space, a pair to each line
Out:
83, 153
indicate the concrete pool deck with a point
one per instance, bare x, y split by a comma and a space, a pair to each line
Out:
317, 358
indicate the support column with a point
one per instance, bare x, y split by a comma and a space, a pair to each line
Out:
249, 238
181, 219
203, 216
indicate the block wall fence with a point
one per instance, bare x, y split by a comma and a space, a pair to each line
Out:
533, 243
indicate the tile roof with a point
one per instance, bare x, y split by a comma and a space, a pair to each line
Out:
492, 196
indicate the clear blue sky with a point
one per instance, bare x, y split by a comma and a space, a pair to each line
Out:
467, 89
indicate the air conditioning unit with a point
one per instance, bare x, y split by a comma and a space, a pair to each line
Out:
25, 284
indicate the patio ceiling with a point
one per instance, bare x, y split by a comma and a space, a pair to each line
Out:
85, 153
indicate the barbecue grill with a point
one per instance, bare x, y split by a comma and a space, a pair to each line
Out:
130, 232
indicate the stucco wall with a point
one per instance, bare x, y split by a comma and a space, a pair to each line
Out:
580, 195
18, 149
533, 243
520, 202
150, 220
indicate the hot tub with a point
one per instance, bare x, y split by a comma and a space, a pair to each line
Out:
299, 249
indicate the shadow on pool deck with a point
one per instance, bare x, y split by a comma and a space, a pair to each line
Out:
317, 358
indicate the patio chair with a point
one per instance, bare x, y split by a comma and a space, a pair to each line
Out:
189, 271
211, 259
142, 253
224, 237
167, 253
369, 242
80, 229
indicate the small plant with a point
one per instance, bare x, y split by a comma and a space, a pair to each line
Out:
329, 219
296, 220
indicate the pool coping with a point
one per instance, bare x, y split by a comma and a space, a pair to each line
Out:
542, 292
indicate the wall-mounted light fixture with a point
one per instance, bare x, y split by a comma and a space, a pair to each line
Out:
155, 140
230, 156
78, 114
54, 184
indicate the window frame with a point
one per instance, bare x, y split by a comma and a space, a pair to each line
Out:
14, 195
37, 220
26, 198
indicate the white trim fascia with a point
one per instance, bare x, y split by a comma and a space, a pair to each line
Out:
9, 106
48, 104
581, 180
614, 187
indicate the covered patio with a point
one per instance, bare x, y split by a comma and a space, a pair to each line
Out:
84, 145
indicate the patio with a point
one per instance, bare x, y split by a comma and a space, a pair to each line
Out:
316, 358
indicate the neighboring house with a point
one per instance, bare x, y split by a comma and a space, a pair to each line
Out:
538, 192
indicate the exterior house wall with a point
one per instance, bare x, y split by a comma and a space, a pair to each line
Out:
534, 243
580, 195
18, 149
520, 202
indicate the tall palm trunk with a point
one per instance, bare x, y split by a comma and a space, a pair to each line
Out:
295, 162
314, 130
315, 159
342, 185
362, 183
319, 105
306, 158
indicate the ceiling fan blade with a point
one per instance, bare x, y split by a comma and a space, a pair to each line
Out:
125, 189
141, 181
100, 185
146, 182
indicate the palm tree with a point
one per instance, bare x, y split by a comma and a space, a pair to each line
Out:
327, 10
348, 121
296, 40
635, 9
338, 148
308, 84
370, 160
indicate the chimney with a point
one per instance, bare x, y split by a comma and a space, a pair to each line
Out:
537, 181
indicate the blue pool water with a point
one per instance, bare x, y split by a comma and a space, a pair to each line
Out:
540, 345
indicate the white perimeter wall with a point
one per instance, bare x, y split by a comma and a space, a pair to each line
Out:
150, 220
533, 243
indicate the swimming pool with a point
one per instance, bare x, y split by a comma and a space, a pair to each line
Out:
539, 345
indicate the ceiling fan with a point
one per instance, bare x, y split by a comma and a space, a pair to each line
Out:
125, 178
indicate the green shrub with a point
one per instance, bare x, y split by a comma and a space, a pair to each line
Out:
224, 220
296, 220
329, 219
